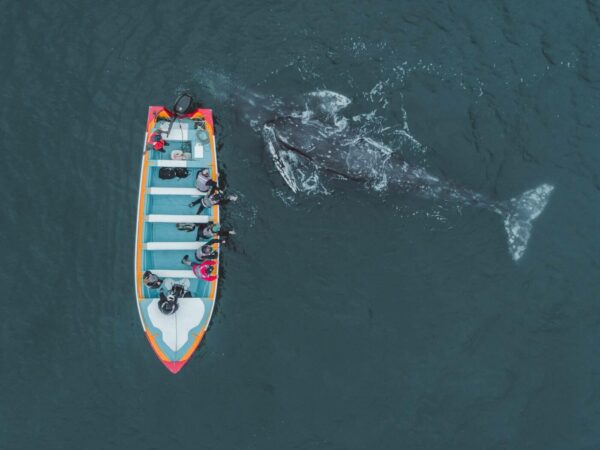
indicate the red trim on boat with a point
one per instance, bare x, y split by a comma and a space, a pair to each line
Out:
174, 366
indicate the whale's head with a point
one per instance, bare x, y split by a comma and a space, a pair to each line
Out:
283, 139
297, 142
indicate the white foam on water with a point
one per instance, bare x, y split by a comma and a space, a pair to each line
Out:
286, 196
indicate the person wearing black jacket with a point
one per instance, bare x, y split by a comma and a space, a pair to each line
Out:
168, 303
216, 197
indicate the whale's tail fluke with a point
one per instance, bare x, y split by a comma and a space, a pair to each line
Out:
519, 213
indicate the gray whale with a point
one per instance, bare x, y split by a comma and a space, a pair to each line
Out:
296, 140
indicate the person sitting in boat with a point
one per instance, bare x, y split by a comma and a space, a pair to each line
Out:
168, 303
176, 290
204, 183
206, 271
151, 280
216, 197
156, 141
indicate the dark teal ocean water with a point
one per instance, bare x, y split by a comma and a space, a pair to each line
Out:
353, 319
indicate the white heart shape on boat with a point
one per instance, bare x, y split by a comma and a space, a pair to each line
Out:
175, 328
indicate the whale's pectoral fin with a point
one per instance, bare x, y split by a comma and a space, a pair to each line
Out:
286, 160
521, 212
283, 160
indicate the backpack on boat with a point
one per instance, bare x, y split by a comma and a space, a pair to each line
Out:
181, 172
166, 173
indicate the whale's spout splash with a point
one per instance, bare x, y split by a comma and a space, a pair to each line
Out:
521, 211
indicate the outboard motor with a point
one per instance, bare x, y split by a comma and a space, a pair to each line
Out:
183, 105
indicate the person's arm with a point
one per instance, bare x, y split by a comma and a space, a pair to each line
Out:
216, 198
212, 186
205, 258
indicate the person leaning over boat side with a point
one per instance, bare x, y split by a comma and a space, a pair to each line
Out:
151, 280
207, 251
216, 197
211, 230
205, 230
204, 183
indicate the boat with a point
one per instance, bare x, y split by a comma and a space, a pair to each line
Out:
187, 139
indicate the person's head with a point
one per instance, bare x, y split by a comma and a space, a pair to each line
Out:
207, 250
149, 278
215, 228
171, 297
204, 171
